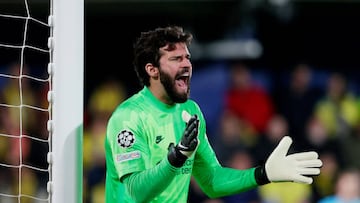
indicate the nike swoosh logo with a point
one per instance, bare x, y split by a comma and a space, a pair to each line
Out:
158, 139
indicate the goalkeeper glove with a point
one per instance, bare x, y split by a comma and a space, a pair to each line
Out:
280, 167
184, 149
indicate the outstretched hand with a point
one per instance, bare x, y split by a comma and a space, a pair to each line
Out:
298, 167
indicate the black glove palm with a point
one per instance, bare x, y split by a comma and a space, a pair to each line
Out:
188, 143
189, 139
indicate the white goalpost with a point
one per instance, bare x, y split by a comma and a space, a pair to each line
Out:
67, 69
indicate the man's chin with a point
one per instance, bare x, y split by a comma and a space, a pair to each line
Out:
182, 101
181, 98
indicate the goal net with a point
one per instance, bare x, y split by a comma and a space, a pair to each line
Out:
41, 100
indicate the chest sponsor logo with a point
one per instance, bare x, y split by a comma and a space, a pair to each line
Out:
125, 138
186, 168
128, 156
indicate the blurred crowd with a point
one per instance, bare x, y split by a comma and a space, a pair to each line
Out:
23, 159
250, 110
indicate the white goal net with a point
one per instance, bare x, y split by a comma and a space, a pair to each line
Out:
24, 109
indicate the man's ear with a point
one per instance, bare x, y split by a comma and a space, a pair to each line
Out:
151, 70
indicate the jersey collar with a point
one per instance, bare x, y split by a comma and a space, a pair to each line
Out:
156, 102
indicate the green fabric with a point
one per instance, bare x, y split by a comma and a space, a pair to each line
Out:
215, 180
221, 181
138, 183
153, 126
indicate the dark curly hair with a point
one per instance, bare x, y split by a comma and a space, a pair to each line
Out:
147, 48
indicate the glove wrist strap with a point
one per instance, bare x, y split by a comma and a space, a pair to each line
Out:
175, 157
260, 175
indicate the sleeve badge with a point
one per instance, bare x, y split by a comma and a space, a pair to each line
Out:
125, 138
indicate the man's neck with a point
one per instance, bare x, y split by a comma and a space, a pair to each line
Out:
160, 93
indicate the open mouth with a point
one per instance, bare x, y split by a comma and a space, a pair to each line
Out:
182, 81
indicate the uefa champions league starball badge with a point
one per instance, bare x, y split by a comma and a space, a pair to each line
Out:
125, 138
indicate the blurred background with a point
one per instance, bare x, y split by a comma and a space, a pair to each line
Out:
262, 69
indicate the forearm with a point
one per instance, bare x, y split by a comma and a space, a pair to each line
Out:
159, 177
221, 181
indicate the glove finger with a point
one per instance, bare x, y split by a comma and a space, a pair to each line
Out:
309, 171
190, 126
283, 147
193, 144
193, 124
304, 156
302, 179
192, 130
310, 163
193, 121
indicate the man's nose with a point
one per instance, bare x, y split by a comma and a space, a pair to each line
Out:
186, 63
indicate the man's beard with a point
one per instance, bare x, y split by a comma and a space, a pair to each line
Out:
170, 88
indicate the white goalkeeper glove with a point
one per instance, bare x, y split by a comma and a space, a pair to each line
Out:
189, 141
297, 167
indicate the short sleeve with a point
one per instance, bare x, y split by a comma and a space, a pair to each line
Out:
127, 140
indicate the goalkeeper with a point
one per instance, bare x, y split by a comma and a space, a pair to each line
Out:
156, 140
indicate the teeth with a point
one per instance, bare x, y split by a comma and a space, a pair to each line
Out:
185, 75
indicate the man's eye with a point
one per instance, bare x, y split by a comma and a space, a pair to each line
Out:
175, 59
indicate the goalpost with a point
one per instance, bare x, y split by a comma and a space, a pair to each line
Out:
67, 69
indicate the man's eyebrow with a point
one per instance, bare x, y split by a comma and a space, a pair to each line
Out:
188, 56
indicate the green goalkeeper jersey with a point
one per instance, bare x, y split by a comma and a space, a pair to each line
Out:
138, 136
